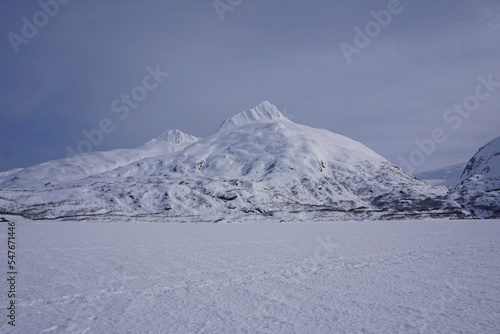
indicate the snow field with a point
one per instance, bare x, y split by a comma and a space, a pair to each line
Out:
427, 276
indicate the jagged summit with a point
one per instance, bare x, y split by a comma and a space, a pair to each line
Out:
263, 112
176, 137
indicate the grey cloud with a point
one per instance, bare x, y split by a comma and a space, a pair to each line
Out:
287, 52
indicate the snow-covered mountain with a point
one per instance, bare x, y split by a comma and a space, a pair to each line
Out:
479, 188
257, 163
84, 165
485, 162
446, 176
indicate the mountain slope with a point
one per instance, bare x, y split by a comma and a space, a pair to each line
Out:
257, 163
479, 188
485, 162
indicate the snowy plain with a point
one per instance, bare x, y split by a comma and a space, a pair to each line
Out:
414, 276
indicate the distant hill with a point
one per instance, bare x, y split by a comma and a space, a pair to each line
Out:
446, 176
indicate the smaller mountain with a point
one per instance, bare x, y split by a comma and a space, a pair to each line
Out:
263, 112
479, 187
445, 176
176, 138
81, 166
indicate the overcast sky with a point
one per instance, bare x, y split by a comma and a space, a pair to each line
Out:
63, 76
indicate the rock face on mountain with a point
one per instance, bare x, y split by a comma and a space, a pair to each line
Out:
258, 163
479, 187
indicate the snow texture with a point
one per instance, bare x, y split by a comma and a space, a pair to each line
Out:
426, 276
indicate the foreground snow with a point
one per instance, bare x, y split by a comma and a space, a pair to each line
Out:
426, 276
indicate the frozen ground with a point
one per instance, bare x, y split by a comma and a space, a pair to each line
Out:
340, 277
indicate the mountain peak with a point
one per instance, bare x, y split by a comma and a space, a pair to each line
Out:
176, 137
263, 112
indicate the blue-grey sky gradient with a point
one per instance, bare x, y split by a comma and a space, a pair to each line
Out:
393, 92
